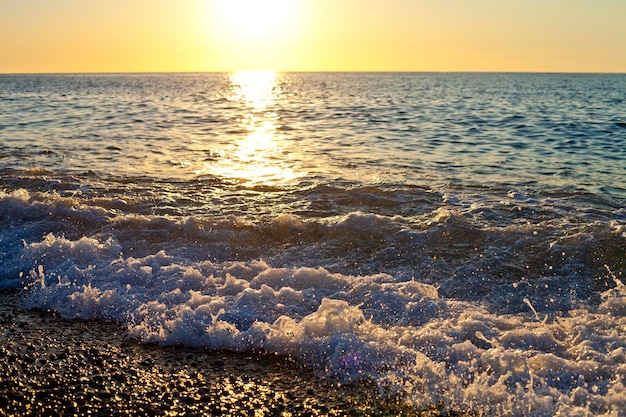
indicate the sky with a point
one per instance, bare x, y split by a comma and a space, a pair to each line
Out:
52, 36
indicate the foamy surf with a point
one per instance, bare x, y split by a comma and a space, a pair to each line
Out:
467, 341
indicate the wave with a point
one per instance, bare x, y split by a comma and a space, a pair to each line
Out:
501, 303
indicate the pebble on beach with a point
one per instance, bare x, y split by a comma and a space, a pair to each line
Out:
50, 366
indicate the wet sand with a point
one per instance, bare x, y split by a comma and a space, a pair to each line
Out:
51, 366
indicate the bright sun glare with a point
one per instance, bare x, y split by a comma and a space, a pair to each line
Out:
254, 20
259, 155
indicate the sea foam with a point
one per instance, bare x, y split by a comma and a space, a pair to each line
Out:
402, 335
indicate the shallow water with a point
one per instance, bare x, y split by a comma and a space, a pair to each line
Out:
459, 238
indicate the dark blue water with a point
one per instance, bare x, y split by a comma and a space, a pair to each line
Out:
459, 238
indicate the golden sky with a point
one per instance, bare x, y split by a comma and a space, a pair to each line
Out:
312, 35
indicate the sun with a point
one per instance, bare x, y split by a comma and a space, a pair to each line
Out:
255, 34
254, 20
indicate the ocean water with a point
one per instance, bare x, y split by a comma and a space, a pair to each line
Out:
459, 239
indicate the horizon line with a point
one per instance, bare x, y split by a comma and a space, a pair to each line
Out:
315, 71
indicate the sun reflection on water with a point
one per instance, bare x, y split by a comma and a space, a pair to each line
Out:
257, 89
258, 155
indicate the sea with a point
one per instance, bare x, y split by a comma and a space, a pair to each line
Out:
456, 239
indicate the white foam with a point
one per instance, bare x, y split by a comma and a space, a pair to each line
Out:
401, 334
538, 343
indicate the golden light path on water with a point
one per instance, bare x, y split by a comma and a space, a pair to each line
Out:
258, 155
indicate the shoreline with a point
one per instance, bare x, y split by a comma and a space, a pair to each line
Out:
52, 366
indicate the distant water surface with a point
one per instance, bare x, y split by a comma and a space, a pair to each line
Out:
458, 238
